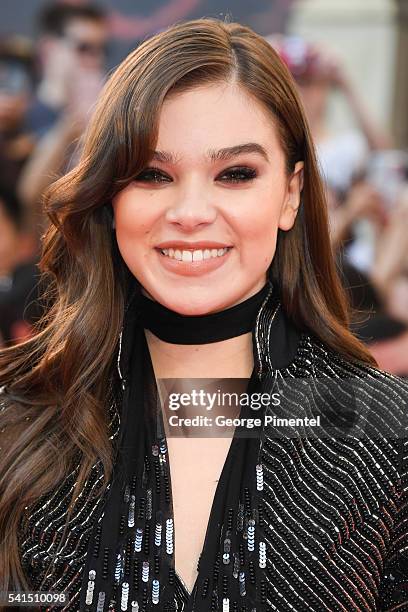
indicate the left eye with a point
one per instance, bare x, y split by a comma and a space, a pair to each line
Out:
152, 175
239, 175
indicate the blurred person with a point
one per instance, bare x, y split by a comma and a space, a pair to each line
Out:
18, 272
381, 198
16, 85
382, 183
389, 276
373, 246
319, 74
72, 48
72, 42
362, 200
357, 208
381, 289
390, 270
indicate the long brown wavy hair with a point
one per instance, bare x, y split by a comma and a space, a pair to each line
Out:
54, 404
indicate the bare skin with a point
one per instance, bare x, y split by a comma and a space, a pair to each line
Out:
189, 457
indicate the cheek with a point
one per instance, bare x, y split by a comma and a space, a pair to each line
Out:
259, 222
133, 219
133, 224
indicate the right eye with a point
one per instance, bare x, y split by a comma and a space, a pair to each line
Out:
152, 175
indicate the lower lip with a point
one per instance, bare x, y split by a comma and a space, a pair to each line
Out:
192, 268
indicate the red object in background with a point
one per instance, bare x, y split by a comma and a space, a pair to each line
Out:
20, 331
304, 60
392, 355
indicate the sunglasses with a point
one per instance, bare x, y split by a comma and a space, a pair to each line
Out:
87, 48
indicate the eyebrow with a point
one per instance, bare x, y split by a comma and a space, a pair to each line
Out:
214, 155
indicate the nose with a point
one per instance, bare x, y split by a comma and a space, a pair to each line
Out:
191, 210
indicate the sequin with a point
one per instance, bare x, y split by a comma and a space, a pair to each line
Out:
310, 531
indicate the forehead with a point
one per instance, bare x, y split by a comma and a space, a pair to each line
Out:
214, 116
88, 29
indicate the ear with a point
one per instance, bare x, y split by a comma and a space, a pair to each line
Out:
292, 198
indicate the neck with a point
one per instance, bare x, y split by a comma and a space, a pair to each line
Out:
218, 344
231, 358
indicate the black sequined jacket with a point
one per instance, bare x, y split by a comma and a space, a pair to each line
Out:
334, 509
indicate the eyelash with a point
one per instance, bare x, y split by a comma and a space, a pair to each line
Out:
247, 174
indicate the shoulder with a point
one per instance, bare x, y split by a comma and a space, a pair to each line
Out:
379, 401
384, 389
362, 434
301, 354
328, 362
372, 398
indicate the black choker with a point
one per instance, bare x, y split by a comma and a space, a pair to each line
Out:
176, 328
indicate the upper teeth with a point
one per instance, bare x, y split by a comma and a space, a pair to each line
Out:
197, 255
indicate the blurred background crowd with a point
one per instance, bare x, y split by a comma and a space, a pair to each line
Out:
348, 61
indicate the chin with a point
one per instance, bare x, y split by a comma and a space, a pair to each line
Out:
192, 307
191, 302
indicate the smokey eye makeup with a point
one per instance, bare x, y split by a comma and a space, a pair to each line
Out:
240, 174
236, 174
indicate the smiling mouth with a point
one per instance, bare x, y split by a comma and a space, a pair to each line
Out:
194, 254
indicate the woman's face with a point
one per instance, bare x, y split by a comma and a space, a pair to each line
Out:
198, 226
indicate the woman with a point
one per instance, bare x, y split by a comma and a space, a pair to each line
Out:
191, 241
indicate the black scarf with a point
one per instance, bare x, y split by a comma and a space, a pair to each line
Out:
131, 555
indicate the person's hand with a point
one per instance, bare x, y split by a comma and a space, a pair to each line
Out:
338, 74
331, 66
365, 201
